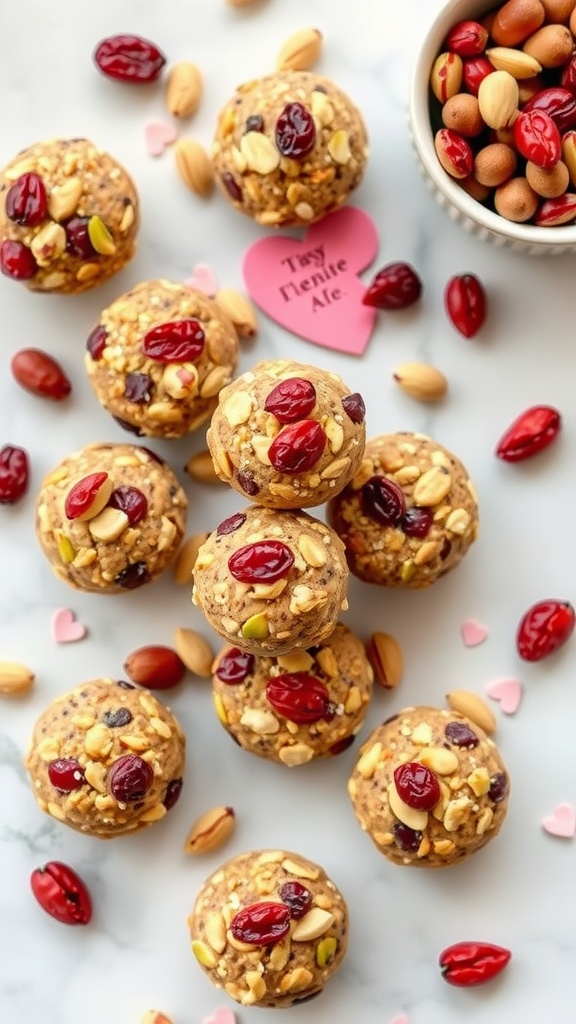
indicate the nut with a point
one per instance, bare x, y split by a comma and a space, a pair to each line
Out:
48, 244
63, 199
155, 666
407, 815
186, 558
183, 89
432, 487
473, 707
422, 381
108, 525
155, 1017
312, 925
551, 45
194, 166
194, 651
498, 99
262, 722
385, 655
200, 467
517, 63
300, 51
516, 20
439, 760
446, 76
240, 311
259, 152
15, 679
210, 830
339, 147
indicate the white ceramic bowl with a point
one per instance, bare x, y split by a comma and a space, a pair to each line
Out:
472, 215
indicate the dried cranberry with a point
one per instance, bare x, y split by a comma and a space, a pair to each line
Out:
247, 483
408, 839
354, 407
417, 786
297, 447
138, 388
298, 697
77, 238
14, 474
297, 897
396, 286
26, 201
254, 123
264, 561
341, 745
498, 787
544, 629
467, 39
261, 924
131, 501
474, 71
235, 666
129, 58
130, 778
291, 400
461, 735
231, 523
232, 187
568, 76
115, 719
559, 103
133, 576
537, 138
295, 131
383, 500
132, 428
96, 341
84, 495
66, 774
172, 794
417, 521
17, 261
61, 893
465, 303
177, 341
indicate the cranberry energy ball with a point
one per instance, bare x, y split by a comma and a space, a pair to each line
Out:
158, 357
410, 513
106, 759
110, 517
270, 928
287, 434
68, 216
289, 148
429, 788
297, 706
271, 582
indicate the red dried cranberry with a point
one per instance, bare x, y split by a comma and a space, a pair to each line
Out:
467, 39
568, 76
291, 400
96, 341
254, 123
341, 745
264, 561
298, 447
232, 187
178, 341
558, 102
474, 71
130, 778
26, 201
261, 924
66, 774
537, 138
498, 787
235, 666
14, 474
77, 238
461, 735
354, 407
82, 495
298, 697
297, 897
231, 524
408, 839
131, 501
396, 286
383, 500
117, 718
544, 629
247, 483
138, 388
133, 576
172, 793
295, 131
417, 786
417, 521
129, 58
17, 261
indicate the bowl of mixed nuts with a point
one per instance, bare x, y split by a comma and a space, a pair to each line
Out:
493, 120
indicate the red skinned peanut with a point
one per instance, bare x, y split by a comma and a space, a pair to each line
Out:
465, 303
537, 138
38, 372
530, 433
472, 963
467, 39
544, 628
61, 893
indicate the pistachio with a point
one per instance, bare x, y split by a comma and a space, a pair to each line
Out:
326, 950
385, 655
100, 237
15, 679
473, 707
421, 381
300, 51
183, 89
194, 651
240, 311
210, 830
194, 166
200, 467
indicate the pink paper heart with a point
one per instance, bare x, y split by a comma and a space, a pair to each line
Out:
65, 627
311, 286
221, 1015
158, 135
508, 692
562, 821
203, 279
473, 633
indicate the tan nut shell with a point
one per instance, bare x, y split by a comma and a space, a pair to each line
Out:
422, 381
300, 51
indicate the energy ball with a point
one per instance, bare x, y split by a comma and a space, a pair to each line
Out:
289, 148
68, 216
409, 515
287, 434
297, 706
110, 517
271, 582
429, 788
270, 928
158, 357
106, 759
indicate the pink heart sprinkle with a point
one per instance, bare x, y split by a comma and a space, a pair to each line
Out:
400, 1019
562, 821
203, 279
66, 628
158, 135
473, 633
221, 1015
508, 692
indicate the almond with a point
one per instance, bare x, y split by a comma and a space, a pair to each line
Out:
186, 558
300, 51
183, 89
422, 381
200, 467
498, 99
195, 652
194, 166
210, 830
155, 666
240, 311
385, 656
515, 62
465, 702
15, 679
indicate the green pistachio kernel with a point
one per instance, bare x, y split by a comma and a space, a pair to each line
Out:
65, 548
325, 950
220, 709
256, 627
100, 237
407, 571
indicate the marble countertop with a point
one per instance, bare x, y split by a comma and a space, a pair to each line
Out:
517, 892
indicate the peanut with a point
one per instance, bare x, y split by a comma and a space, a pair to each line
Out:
495, 164
516, 21
516, 200
551, 45
210, 830
15, 679
462, 114
548, 183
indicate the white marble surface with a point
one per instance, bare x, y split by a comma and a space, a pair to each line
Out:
519, 891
